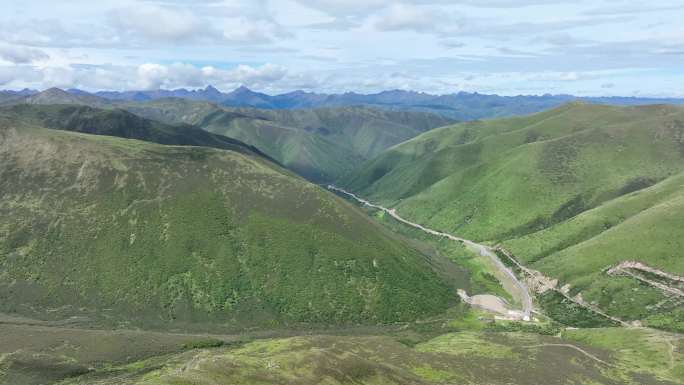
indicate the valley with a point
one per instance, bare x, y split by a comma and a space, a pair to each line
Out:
532, 186
172, 242
401, 354
321, 144
341, 192
514, 286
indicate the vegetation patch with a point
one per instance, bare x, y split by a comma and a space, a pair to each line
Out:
467, 343
570, 191
568, 313
196, 237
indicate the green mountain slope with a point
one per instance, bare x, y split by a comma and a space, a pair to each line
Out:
125, 230
366, 130
645, 226
633, 356
320, 144
307, 154
527, 179
122, 124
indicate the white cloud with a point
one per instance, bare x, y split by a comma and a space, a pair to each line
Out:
63, 77
430, 45
21, 55
152, 76
245, 31
265, 73
509, 3
632, 8
20, 75
265, 76
177, 75
175, 24
344, 7
407, 17
147, 76
452, 43
158, 23
51, 32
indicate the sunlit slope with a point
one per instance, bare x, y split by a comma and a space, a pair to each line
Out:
321, 144
571, 192
366, 130
119, 229
507, 178
312, 156
589, 356
645, 226
119, 123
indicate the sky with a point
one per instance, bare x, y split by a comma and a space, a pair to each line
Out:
507, 47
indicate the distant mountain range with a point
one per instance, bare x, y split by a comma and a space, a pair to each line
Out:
321, 144
460, 106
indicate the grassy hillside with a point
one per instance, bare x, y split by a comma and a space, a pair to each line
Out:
41, 354
367, 131
645, 225
614, 357
122, 124
320, 144
309, 155
129, 231
526, 181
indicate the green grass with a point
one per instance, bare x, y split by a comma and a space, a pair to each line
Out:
467, 343
570, 191
477, 358
40, 354
119, 123
568, 313
310, 155
472, 272
435, 375
320, 144
637, 350
195, 237
487, 181
644, 225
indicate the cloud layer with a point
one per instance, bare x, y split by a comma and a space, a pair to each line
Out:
584, 47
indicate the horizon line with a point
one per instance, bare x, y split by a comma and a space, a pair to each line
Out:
208, 87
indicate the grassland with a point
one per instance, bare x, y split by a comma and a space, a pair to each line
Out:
104, 232
459, 349
470, 271
130, 232
570, 191
41, 354
453, 358
312, 156
637, 350
644, 225
319, 144
119, 123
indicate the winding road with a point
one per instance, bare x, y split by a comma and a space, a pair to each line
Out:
483, 250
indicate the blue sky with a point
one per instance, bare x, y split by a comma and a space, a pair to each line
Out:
599, 47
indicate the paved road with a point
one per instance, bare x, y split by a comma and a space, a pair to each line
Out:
483, 250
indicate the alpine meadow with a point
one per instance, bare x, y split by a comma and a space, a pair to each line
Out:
315, 192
